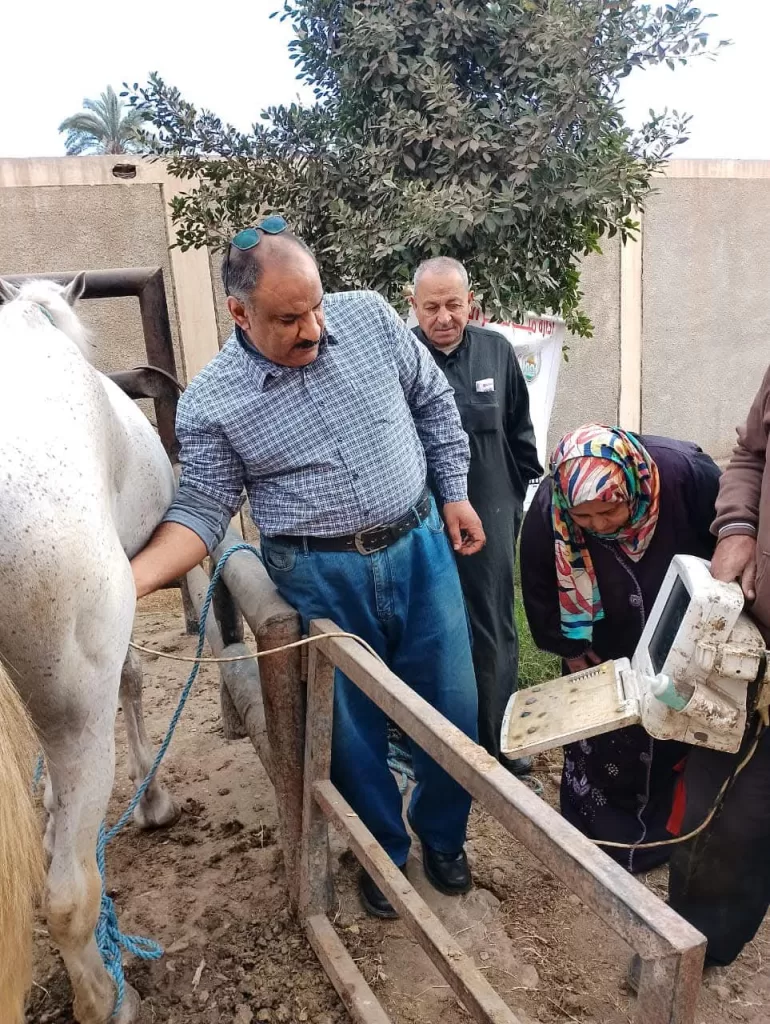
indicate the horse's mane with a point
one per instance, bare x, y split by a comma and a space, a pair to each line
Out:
57, 302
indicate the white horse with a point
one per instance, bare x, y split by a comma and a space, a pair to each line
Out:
84, 481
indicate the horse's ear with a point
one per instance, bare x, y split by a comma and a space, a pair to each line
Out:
75, 289
8, 291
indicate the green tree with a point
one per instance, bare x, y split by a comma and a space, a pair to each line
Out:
489, 130
105, 125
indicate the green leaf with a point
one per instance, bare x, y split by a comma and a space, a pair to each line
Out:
486, 129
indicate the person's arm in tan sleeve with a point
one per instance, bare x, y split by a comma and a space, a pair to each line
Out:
737, 505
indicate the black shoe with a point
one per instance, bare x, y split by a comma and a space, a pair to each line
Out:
518, 765
447, 872
373, 899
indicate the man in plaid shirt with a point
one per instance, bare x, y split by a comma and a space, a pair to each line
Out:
330, 414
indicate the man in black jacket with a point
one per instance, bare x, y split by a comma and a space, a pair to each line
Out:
493, 402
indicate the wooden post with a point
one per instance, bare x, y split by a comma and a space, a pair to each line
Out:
230, 623
239, 680
275, 624
315, 880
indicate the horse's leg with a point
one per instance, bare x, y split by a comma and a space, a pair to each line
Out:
81, 761
156, 808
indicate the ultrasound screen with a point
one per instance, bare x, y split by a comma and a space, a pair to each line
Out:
668, 625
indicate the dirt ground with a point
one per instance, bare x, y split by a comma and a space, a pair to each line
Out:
211, 891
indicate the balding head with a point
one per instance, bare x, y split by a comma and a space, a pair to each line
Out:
241, 274
276, 298
442, 300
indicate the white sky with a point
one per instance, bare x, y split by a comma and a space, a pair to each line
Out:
234, 61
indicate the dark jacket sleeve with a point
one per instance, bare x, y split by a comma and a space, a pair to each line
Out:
705, 488
538, 578
518, 426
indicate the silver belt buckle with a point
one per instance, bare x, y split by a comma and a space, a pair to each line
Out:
359, 543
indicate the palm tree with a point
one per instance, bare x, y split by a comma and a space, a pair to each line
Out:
103, 126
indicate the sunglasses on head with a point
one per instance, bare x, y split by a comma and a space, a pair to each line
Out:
249, 238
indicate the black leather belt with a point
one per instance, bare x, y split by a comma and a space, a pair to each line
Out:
367, 542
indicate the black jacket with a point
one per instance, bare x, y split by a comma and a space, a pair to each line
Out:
503, 451
689, 481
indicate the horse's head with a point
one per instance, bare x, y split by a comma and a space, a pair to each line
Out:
57, 303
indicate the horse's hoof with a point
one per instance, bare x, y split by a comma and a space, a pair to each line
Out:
156, 810
129, 1011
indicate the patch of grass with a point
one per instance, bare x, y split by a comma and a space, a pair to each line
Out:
535, 666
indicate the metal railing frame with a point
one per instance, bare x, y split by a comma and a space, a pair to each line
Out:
146, 284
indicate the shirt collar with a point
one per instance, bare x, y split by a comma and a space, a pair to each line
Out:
263, 368
436, 351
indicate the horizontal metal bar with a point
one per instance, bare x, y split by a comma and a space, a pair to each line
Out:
477, 995
623, 903
361, 1003
99, 284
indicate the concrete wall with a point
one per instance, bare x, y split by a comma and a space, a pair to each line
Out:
706, 318
680, 318
589, 381
79, 227
224, 320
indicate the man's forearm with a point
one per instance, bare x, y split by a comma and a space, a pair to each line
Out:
172, 551
737, 504
447, 449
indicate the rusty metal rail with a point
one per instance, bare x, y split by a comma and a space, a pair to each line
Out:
672, 951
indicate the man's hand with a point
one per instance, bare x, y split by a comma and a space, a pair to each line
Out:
587, 660
464, 527
735, 558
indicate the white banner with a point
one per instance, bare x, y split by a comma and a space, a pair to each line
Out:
538, 345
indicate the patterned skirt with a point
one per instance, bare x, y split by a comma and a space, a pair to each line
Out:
620, 787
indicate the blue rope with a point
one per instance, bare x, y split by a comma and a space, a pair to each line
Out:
109, 937
38, 772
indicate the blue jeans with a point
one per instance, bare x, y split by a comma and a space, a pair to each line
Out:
406, 602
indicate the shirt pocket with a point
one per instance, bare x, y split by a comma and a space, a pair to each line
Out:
481, 415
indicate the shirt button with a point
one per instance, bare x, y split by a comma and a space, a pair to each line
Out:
635, 601
355, 476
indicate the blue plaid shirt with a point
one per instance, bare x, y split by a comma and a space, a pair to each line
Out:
325, 450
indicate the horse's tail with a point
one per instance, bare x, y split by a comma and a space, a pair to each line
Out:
21, 852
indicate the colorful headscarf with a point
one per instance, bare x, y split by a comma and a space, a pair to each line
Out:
598, 463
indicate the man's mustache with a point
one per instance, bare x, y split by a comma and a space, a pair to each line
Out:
307, 343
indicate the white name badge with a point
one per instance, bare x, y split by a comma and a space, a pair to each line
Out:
488, 384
